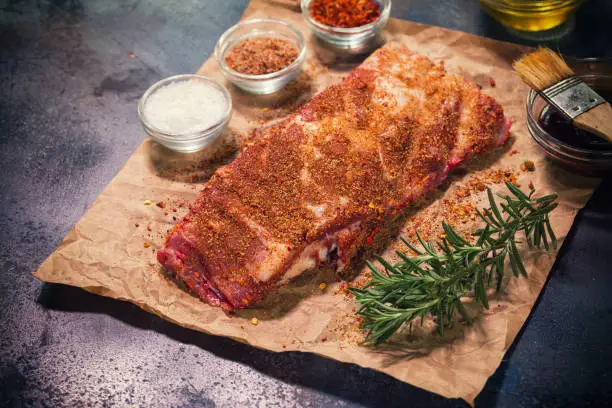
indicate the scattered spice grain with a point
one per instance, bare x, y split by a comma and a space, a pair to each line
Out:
345, 13
529, 165
261, 55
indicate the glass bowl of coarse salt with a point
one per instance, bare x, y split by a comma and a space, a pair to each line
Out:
186, 112
261, 56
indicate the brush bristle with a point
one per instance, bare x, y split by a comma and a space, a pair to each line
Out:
542, 69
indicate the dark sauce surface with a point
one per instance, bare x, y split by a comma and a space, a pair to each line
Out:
562, 129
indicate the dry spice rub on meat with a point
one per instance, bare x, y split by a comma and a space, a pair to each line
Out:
313, 188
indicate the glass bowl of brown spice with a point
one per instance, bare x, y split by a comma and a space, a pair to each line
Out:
261, 56
348, 26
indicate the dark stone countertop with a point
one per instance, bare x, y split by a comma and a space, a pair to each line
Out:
67, 124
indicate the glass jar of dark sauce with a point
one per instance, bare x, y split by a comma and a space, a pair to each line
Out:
562, 129
575, 150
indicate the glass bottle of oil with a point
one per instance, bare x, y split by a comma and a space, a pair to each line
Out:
531, 15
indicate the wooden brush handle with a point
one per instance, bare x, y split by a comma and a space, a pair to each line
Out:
597, 120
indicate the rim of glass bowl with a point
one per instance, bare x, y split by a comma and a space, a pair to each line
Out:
220, 50
384, 16
542, 136
532, 6
172, 136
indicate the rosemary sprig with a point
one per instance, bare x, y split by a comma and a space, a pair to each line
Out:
433, 281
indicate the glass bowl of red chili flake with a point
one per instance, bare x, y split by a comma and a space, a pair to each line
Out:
352, 26
261, 56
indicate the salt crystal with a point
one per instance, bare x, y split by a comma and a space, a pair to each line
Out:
185, 107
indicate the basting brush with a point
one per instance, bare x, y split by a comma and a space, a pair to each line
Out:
548, 74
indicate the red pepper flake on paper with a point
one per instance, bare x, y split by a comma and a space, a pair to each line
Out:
161, 204
492, 82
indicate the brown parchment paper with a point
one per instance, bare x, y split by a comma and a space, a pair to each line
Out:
104, 252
